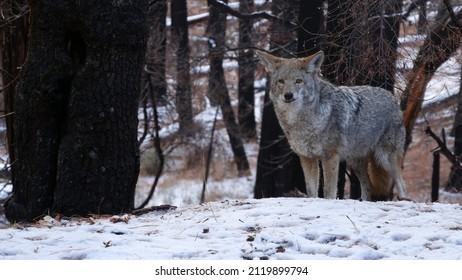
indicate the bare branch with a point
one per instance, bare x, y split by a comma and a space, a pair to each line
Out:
445, 151
227, 9
453, 16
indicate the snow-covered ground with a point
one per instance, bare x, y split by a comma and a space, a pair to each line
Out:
275, 229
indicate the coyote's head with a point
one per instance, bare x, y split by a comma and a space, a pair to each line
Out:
293, 80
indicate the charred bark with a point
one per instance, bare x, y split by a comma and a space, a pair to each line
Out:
76, 109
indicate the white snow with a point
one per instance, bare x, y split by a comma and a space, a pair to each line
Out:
275, 229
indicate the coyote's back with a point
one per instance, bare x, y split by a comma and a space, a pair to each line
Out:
323, 122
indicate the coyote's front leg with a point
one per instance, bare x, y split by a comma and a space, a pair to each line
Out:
311, 171
330, 165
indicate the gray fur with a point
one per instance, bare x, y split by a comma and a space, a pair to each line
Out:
329, 123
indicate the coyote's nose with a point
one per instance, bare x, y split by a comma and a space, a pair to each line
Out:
288, 97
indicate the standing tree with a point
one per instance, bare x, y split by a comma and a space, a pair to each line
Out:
245, 60
76, 109
183, 102
278, 169
218, 91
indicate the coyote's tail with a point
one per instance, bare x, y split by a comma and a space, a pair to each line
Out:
381, 188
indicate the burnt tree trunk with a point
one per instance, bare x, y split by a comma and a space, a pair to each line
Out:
218, 91
245, 60
278, 168
183, 100
76, 109
311, 29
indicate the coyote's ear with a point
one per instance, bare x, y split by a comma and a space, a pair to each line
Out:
269, 61
312, 63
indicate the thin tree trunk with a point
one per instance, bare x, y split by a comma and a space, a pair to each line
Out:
422, 23
183, 99
246, 107
216, 30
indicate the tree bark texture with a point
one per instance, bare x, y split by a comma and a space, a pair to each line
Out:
218, 90
76, 109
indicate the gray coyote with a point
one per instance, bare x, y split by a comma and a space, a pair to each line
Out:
362, 125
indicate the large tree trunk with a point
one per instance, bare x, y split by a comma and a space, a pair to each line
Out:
246, 107
183, 101
76, 109
218, 91
440, 44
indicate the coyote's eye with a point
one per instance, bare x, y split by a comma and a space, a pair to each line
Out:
280, 81
298, 81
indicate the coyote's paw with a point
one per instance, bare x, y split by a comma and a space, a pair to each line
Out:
404, 199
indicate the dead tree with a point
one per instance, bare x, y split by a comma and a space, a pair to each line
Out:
218, 91
76, 110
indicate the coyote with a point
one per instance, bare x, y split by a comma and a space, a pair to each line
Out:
362, 125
